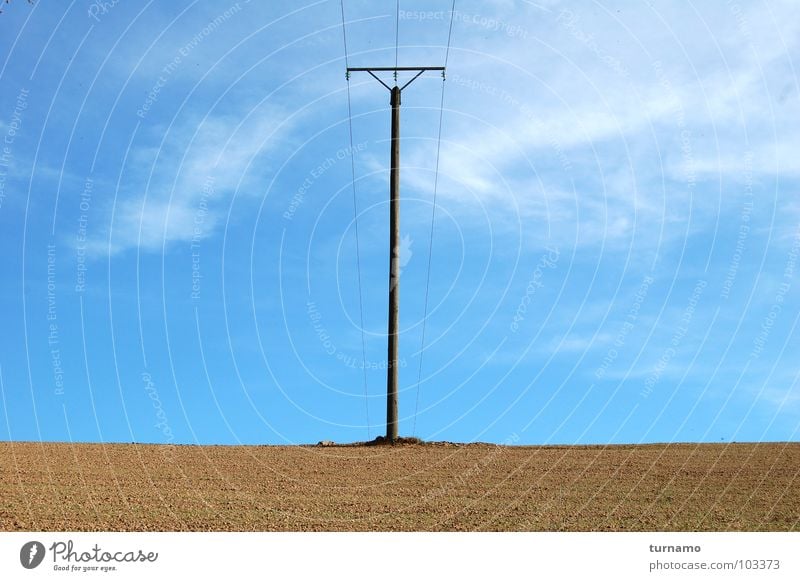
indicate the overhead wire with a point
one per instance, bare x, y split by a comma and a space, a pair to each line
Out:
396, 37
355, 223
433, 219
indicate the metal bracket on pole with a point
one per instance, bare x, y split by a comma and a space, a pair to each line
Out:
394, 70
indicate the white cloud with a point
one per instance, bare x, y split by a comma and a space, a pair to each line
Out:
627, 106
178, 189
553, 125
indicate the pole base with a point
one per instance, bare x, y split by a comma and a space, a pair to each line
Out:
384, 441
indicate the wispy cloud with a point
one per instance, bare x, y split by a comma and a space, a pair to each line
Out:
177, 188
622, 145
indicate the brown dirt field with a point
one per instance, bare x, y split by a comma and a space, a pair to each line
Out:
431, 487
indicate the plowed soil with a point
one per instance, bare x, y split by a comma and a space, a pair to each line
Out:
413, 487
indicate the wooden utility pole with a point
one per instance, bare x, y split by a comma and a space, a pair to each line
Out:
394, 271
394, 238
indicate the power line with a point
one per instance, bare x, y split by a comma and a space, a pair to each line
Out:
433, 219
396, 37
355, 222
450, 32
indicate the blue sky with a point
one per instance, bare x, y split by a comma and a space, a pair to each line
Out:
615, 244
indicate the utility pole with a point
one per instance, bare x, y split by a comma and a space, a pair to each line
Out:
394, 237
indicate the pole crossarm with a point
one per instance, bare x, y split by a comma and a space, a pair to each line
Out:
373, 70
365, 69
